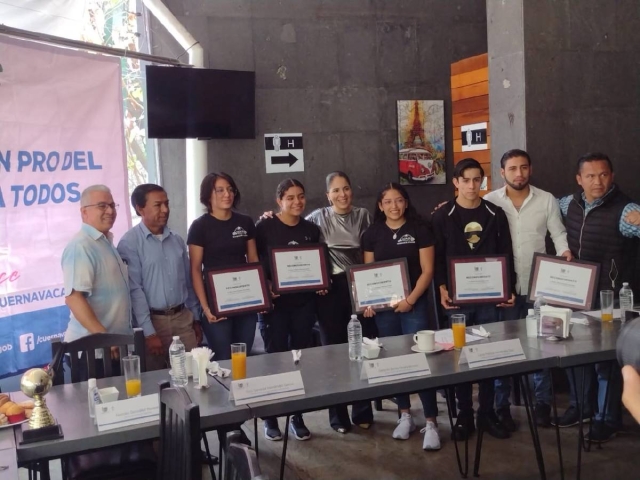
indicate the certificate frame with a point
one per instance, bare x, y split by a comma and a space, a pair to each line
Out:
594, 272
353, 269
256, 307
325, 277
506, 278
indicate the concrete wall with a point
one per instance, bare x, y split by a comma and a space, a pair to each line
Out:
332, 70
583, 91
507, 106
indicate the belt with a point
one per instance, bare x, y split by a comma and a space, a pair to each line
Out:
167, 311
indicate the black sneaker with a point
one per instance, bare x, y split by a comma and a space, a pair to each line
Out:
272, 430
504, 415
490, 423
298, 428
571, 417
543, 415
601, 433
464, 426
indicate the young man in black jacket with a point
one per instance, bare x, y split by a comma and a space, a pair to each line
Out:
467, 226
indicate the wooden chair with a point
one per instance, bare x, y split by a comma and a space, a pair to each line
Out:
131, 461
241, 460
180, 456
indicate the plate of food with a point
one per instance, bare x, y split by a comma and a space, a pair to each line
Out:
12, 413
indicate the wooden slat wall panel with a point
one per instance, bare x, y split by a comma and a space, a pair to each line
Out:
470, 104
469, 78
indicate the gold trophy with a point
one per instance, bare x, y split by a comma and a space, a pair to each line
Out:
36, 383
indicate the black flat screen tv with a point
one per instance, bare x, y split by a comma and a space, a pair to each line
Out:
200, 103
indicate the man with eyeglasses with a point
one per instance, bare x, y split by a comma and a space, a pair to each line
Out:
96, 283
163, 300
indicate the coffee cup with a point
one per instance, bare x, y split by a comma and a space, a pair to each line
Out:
425, 340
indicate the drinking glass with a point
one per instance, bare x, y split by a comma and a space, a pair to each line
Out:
459, 327
133, 383
238, 361
606, 305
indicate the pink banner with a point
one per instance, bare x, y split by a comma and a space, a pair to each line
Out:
61, 130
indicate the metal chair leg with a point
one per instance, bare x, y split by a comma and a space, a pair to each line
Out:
206, 449
555, 423
533, 427
450, 411
255, 437
284, 447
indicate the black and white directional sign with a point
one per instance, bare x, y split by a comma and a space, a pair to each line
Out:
474, 137
283, 152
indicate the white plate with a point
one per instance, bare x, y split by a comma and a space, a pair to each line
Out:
438, 348
13, 424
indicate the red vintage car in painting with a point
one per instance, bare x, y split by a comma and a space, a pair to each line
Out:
416, 164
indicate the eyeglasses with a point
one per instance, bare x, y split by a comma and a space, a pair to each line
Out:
229, 190
103, 206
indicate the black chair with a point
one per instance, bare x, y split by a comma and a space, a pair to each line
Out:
241, 461
82, 355
180, 456
131, 461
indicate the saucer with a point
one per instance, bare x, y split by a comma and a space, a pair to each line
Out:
438, 348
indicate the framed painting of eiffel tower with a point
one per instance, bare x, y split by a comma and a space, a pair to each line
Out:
421, 147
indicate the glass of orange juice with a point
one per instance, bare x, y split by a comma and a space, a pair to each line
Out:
132, 381
606, 305
459, 327
238, 361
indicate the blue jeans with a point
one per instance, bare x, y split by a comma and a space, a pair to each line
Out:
486, 391
237, 329
541, 380
391, 324
596, 379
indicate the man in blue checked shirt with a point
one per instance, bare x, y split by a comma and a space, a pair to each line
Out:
95, 278
600, 229
162, 297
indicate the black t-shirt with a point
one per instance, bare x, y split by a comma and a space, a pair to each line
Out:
224, 241
410, 238
271, 232
474, 221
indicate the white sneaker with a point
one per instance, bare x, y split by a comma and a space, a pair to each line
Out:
431, 437
405, 427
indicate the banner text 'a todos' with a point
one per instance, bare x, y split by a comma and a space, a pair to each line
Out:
61, 130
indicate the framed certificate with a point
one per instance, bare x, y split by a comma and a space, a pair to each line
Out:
475, 279
238, 289
566, 284
379, 285
304, 268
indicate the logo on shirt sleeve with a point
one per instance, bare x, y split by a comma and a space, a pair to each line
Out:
406, 239
239, 232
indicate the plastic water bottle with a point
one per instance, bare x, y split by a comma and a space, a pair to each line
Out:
93, 397
540, 302
626, 300
178, 361
355, 339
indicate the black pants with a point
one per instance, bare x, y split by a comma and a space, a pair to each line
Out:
334, 313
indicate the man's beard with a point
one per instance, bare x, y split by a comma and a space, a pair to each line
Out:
517, 187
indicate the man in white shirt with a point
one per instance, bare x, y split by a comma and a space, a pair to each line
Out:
531, 213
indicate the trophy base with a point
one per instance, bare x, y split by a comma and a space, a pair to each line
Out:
52, 432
